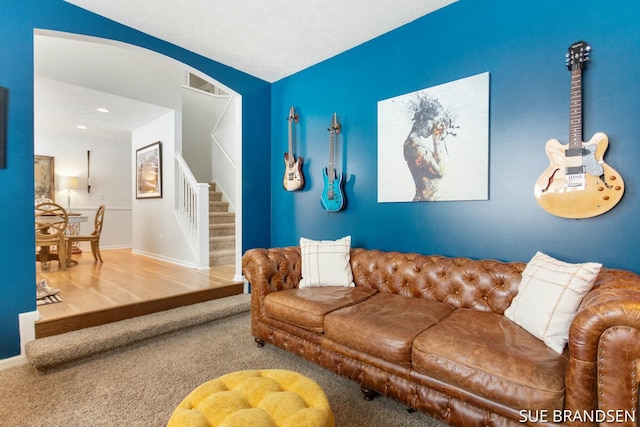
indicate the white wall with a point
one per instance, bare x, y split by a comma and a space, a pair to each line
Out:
111, 180
225, 154
199, 116
204, 114
156, 231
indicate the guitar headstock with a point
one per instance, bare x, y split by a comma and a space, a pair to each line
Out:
335, 126
577, 55
293, 117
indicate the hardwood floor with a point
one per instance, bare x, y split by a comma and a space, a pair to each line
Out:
124, 286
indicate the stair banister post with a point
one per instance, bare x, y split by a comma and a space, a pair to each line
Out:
192, 207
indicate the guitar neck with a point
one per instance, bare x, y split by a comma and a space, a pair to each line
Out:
290, 139
292, 117
575, 110
333, 130
330, 172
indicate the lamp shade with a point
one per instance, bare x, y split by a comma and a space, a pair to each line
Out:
68, 183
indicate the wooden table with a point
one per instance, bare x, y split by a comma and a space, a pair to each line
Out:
73, 228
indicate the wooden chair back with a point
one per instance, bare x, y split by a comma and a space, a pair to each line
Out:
51, 222
97, 223
93, 238
50, 226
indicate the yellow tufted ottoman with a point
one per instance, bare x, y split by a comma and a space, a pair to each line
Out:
267, 398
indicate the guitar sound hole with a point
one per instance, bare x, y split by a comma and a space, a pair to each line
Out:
550, 181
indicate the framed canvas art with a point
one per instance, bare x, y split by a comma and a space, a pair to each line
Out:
149, 171
43, 178
433, 144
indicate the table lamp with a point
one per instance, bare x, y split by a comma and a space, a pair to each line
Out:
68, 183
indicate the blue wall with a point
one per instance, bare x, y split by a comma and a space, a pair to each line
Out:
522, 45
18, 21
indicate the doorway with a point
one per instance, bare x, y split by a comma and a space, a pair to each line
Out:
74, 76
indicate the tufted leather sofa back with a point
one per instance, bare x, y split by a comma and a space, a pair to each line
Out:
485, 285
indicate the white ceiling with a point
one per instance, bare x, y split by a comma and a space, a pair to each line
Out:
62, 107
269, 39
265, 38
74, 75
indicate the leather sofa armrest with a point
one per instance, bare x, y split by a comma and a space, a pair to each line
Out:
604, 348
270, 270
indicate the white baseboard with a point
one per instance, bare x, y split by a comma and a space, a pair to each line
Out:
245, 282
166, 259
86, 247
26, 323
13, 361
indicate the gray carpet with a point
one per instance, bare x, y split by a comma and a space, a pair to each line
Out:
140, 383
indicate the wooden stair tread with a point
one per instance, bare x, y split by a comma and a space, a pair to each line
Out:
225, 238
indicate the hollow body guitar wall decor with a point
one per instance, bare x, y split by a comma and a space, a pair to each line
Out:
578, 183
332, 196
293, 179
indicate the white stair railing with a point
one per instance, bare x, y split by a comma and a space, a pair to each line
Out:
192, 210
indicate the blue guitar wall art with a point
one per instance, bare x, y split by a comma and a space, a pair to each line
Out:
332, 195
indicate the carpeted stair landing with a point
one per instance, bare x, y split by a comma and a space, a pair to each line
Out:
59, 349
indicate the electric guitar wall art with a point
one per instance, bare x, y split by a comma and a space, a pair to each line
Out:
332, 196
293, 179
578, 183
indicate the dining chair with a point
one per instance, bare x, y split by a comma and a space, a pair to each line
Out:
51, 224
94, 237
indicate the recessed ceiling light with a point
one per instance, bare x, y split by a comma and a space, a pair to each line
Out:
83, 127
102, 110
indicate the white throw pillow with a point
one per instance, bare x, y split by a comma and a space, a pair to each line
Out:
326, 262
548, 297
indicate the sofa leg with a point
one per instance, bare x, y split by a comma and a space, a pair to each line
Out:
259, 342
368, 394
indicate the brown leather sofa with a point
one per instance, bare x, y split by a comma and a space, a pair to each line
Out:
430, 332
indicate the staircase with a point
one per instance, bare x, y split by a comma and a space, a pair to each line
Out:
222, 230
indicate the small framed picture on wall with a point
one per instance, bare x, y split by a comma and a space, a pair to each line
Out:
149, 171
44, 178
